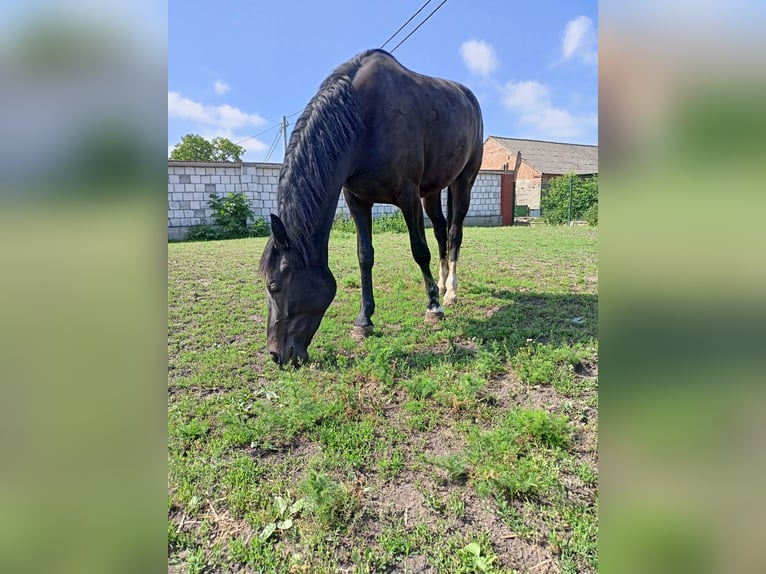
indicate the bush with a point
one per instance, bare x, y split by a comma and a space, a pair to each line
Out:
386, 223
203, 232
591, 216
390, 223
555, 200
259, 228
230, 215
343, 224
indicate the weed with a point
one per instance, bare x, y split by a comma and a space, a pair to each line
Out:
455, 465
242, 482
196, 561
481, 561
194, 429
331, 504
391, 465
284, 516
395, 541
586, 474
455, 504
346, 445
489, 360
422, 386
421, 417
518, 457
544, 364
540, 427
256, 553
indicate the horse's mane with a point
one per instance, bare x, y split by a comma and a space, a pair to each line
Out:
324, 132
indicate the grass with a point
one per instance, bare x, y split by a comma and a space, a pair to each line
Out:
470, 446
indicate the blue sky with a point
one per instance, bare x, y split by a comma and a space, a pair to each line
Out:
236, 67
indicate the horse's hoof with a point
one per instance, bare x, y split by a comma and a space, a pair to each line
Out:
359, 334
450, 300
435, 316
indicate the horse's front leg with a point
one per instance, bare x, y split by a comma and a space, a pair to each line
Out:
361, 212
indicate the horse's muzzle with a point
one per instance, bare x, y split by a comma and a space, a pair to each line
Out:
292, 355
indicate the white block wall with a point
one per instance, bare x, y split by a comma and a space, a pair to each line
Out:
191, 183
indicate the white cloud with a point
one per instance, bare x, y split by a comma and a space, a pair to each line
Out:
218, 121
526, 96
556, 123
580, 40
222, 117
180, 107
479, 56
531, 102
221, 87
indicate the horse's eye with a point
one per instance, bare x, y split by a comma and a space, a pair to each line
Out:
273, 287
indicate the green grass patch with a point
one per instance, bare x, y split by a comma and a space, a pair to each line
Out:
393, 446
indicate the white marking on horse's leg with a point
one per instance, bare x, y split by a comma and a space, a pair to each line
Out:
434, 315
451, 295
443, 274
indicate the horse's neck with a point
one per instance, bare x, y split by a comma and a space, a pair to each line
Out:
315, 237
320, 235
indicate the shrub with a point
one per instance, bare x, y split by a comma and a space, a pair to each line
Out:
386, 223
591, 215
230, 216
203, 232
231, 213
390, 223
555, 200
259, 228
343, 224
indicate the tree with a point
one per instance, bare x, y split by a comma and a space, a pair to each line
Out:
555, 200
227, 150
194, 147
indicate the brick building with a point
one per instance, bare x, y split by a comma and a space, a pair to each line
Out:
535, 162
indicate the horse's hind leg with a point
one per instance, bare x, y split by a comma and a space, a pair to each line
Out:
361, 212
458, 200
433, 206
413, 215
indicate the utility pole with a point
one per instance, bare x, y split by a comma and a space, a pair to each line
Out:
284, 132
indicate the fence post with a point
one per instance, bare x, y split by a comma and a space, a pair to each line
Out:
570, 198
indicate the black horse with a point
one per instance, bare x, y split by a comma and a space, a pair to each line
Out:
384, 134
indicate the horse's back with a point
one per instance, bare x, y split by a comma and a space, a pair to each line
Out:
417, 126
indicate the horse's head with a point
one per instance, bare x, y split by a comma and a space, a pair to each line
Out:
298, 296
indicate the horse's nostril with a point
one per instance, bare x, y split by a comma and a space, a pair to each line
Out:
274, 356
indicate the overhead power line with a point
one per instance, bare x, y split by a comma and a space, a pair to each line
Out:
280, 125
407, 22
419, 25
267, 130
273, 145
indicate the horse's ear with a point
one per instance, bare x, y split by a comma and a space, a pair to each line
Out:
279, 233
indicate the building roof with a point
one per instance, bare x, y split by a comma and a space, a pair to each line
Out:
553, 157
